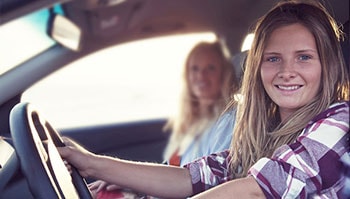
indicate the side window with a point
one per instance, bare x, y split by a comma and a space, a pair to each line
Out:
134, 81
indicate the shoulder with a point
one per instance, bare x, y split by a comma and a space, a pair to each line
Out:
340, 108
336, 115
339, 111
329, 127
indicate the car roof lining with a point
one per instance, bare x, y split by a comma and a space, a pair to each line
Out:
90, 15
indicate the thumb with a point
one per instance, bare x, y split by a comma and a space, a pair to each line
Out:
63, 151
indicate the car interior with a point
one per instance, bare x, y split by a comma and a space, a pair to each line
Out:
79, 28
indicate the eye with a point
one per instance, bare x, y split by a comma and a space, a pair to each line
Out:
273, 59
194, 68
211, 67
304, 57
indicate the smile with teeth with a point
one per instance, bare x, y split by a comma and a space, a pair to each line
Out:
288, 88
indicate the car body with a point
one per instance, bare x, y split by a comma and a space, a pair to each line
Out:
108, 23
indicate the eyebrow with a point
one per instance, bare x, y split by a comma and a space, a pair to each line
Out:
271, 53
307, 50
298, 51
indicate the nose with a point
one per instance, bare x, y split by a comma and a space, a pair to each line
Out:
287, 70
202, 73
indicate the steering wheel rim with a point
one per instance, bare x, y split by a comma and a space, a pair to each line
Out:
35, 143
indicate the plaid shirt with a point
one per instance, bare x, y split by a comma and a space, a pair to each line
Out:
309, 167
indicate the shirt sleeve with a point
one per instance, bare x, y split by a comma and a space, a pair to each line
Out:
310, 166
209, 171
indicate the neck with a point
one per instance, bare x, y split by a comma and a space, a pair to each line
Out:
206, 106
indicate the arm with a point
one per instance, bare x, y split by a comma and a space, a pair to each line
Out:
152, 179
240, 188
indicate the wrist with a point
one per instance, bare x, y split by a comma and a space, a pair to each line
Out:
93, 164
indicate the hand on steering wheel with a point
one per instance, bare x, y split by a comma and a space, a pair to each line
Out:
35, 142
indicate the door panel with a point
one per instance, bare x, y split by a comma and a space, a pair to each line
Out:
142, 141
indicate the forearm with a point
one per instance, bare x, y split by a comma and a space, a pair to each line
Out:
240, 188
152, 179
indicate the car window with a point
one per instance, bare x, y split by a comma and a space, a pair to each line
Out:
133, 81
17, 32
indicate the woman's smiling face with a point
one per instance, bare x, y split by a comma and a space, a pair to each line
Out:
291, 68
205, 74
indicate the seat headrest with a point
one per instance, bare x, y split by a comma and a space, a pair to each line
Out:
238, 62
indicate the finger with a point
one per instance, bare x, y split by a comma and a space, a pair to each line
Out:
102, 186
94, 185
63, 151
91, 186
67, 141
68, 166
112, 187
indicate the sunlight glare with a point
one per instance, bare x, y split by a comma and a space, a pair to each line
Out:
132, 81
247, 42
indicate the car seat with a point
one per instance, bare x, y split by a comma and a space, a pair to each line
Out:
238, 62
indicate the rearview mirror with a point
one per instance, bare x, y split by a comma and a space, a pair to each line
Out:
65, 32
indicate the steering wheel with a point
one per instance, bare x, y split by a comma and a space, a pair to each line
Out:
35, 143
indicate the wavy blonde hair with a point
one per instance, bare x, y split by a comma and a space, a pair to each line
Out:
190, 119
259, 130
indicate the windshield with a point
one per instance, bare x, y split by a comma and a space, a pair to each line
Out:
129, 83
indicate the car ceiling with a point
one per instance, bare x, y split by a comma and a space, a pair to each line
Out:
135, 19
108, 22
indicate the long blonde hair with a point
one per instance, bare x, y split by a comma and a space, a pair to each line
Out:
189, 116
259, 130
